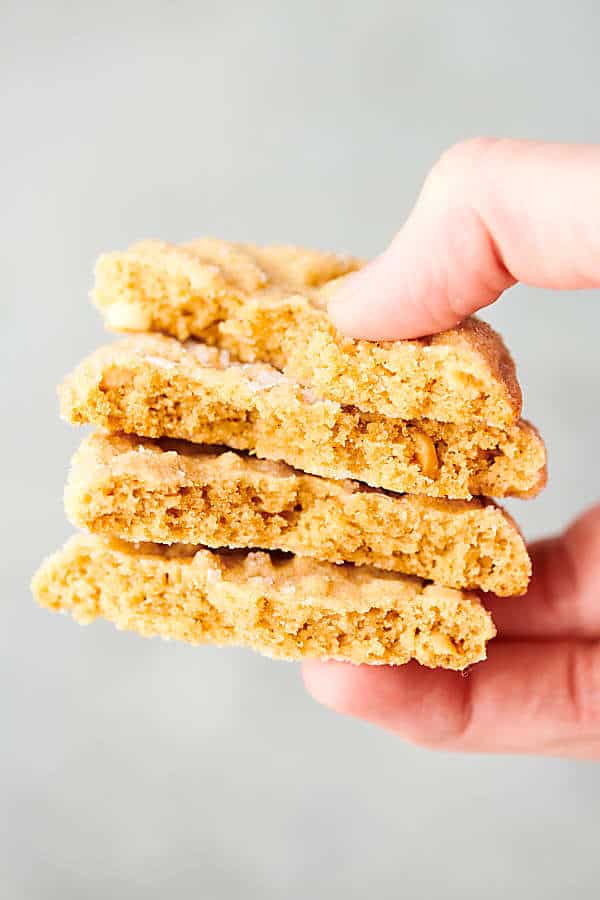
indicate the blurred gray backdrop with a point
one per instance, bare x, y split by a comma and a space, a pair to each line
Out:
141, 769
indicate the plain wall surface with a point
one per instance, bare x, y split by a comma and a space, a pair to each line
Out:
143, 769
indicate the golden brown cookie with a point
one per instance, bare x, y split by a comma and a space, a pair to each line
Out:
268, 304
287, 608
138, 490
155, 386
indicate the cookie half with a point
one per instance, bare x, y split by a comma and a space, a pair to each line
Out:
171, 492
283, 607
154, 386
268, 304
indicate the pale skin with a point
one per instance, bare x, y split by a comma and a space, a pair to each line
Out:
491, 213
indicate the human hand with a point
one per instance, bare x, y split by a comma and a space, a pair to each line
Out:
491, 213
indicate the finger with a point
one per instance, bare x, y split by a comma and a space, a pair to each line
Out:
541, 698
563, 600
491, 212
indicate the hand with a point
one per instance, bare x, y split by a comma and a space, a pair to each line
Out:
491, 213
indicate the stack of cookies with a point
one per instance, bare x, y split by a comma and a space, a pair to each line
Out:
259, 479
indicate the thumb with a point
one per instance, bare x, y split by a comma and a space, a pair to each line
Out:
491, 212
441, 267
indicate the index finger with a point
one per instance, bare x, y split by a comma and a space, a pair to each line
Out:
491, 213
529, 697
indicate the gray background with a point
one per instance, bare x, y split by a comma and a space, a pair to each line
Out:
133, 768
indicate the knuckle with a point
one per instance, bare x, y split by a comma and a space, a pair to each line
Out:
464, 153
456, 164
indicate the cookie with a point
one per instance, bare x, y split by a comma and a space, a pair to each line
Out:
154, 386
138, 490
283, 607
269, 304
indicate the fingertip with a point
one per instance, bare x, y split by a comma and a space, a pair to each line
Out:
388, 300
329, 683
341, 314
352, 306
